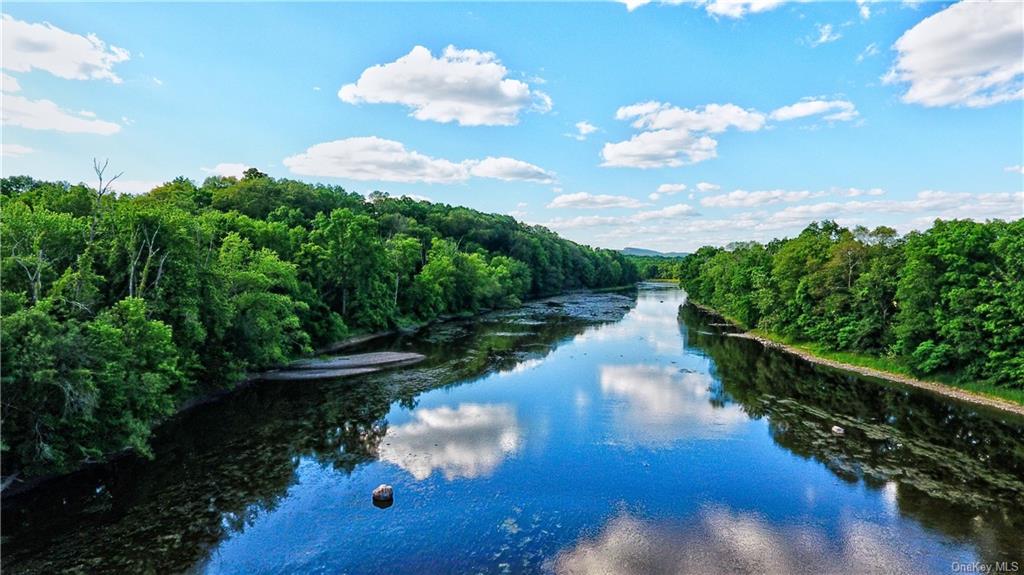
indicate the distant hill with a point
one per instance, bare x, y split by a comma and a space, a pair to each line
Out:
652, 253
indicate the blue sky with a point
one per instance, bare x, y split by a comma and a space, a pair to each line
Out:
771, 114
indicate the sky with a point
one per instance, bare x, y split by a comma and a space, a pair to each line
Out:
663, 125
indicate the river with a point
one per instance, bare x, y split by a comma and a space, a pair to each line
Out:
594, 434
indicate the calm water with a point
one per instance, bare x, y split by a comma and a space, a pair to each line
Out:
631, 439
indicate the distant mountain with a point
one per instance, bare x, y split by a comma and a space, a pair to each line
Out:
652, 253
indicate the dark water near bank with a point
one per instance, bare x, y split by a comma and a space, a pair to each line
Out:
557, 438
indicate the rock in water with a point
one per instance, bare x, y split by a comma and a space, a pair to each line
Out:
383, 496
835, 429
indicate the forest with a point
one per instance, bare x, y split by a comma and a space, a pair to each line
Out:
119, 309
947, 302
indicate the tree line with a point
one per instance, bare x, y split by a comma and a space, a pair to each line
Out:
948, 301
117, 309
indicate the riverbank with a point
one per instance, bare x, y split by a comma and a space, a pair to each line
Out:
849, 362
597, 305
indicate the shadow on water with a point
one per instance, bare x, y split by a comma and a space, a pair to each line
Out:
953, 468
220, 465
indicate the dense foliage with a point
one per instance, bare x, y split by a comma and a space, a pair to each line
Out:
949, 300
116, 309
656, 267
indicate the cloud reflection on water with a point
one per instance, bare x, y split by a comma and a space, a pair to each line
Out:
721, 541
661, 404
468, 441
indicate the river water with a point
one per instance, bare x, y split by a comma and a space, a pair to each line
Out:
596, 434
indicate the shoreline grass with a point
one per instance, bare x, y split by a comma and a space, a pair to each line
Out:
892, 366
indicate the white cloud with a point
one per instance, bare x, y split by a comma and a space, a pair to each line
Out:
598, 201
465, 86
708, 187
857, 192
1016, 169
9, 83
966, 55
739, 8
936, 203
667, 190
583, 129
712, 118
227, 170
46, 115
865, 8
134, 187
666, 213
826, 34
14, 150
510, 169
45, 47
372, 158
836, 110
661, 148
469, 441
727, 8
868, 51
745, 199
672, 136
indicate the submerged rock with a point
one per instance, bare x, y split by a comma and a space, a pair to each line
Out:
383, 496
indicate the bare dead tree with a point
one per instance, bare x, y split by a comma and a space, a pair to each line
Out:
102, 189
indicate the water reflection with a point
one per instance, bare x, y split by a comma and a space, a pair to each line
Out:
501, 473
468, 441
220, 467
662, 404
719, 540
954, 468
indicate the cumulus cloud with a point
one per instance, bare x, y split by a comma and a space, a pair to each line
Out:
227, 170
372, 158
14, 150
598, 201
1016, 169
46, 115
833, 110
739, 8
826, 34
583, 129
966, 55
708, 187
857, 192
9, 83
667, 190
510, 169
712, 118
469, 87
667, 213
28, 46
726, 8
745, 199
937, 203
671, 136
859, 206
